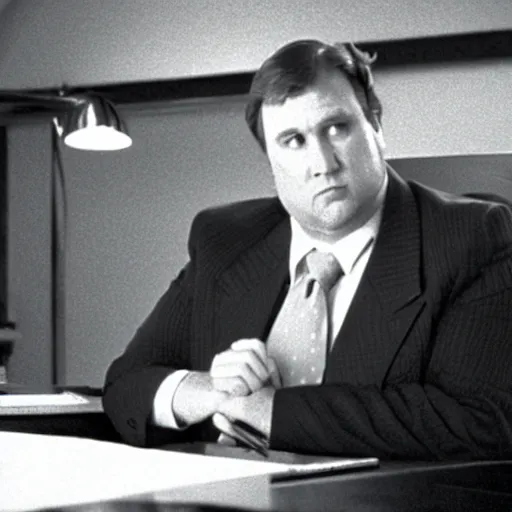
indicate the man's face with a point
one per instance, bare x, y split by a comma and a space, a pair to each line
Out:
326, 157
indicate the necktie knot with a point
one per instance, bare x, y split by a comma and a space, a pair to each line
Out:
324, 268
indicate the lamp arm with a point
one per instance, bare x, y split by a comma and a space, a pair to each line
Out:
44, 100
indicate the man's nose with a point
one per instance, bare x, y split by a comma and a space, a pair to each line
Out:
323, 159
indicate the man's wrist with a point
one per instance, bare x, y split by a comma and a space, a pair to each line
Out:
163, 413
195, 399
256, 409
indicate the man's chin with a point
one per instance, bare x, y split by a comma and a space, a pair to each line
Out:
333, 214
329, 227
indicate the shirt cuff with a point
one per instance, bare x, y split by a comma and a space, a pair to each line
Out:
163, 414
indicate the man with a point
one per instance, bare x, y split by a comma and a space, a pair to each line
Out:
409, 354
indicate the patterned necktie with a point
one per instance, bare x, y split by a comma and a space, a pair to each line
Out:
300, 335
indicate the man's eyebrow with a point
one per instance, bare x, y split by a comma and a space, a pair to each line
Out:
334, 117
287, 133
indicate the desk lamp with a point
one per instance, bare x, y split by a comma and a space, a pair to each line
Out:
81, 121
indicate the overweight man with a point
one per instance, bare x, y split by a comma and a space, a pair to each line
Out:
353, 314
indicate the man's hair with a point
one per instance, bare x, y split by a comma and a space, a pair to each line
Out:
296, 66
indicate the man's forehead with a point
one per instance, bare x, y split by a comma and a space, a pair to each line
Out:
327, 98
327, 82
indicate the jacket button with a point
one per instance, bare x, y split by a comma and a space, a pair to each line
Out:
132, 423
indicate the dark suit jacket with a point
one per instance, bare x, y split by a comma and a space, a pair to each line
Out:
422, 366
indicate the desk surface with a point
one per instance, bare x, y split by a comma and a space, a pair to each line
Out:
418, 487
395, 486
408, 487
81, 420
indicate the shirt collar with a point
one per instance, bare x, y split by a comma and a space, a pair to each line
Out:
348, 249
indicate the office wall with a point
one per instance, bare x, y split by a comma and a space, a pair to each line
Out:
29, 258
3, 225
77, 42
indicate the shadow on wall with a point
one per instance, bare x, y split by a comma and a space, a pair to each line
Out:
479, 176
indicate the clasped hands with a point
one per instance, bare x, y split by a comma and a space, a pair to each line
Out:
240, 385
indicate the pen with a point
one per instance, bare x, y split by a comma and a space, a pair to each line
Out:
244, 434
251, 437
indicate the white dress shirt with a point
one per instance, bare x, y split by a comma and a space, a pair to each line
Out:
352, 252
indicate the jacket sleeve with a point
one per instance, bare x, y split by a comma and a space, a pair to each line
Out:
462, 409
159, 347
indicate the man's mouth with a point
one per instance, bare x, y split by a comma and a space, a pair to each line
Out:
335, 189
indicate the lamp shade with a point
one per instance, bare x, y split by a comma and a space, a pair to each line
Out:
94, 124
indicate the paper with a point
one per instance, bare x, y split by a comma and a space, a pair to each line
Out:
285, 465
52, 399
39, 471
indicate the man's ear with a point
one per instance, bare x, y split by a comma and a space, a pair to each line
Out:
374, 118
378, 133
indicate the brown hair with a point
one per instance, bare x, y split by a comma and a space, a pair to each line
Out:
296, 66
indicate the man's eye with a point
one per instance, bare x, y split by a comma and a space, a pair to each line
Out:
294, 141
337, 129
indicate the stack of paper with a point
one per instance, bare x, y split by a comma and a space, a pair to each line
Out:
53, 399
38, 471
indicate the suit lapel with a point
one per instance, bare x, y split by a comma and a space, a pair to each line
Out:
388, 299
249, 293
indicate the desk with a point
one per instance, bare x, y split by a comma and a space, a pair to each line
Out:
82, 420
395, 486
407, 487
94, 425
418, 487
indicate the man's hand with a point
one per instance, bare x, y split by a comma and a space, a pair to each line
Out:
244, 368
254, 409
196, 399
